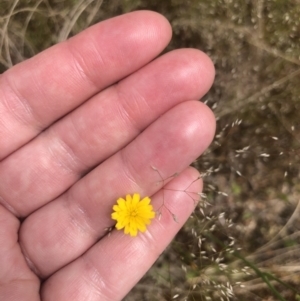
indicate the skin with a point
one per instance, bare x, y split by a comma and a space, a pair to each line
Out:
82, 124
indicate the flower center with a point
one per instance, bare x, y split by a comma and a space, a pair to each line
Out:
133, 213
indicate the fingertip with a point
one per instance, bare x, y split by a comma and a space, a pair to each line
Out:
203, 69
160, 24
195, 127
207, 123
207, 68
150, 27
190, 69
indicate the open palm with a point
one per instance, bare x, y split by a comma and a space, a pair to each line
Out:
82, 123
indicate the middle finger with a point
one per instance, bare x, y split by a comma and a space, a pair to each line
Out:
64, 229
58, 157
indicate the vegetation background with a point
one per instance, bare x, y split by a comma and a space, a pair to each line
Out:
242, 243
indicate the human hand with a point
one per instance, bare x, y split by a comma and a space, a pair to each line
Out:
81, 125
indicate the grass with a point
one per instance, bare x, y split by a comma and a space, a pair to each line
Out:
243, 242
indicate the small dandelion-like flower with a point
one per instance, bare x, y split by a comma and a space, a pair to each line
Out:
133, 214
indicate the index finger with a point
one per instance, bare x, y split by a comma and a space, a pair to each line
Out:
40, 90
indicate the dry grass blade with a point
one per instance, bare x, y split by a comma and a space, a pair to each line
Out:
73, 16
4, 41
28, 19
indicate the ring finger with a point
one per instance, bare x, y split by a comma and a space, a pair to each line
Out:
65, 228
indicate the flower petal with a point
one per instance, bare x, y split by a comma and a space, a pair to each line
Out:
122, 204
146, 213
141, 225
133, 229
115, 215
135, 200
144, 201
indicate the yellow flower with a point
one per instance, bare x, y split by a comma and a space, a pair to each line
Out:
133, 214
